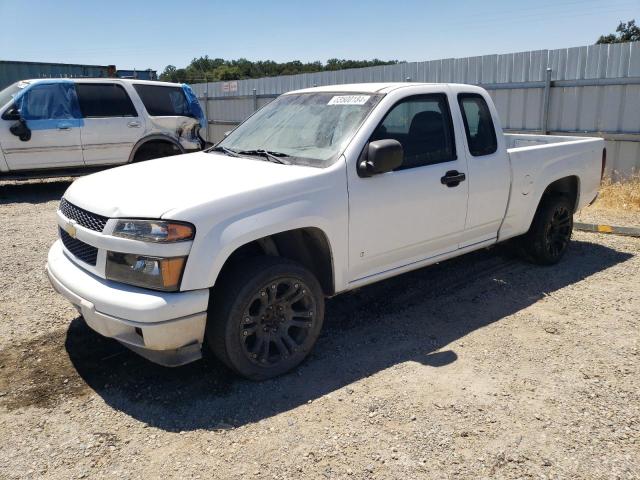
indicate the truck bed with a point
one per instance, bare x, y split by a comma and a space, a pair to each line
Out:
538, 160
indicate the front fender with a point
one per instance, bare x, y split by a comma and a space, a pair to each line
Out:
211, 250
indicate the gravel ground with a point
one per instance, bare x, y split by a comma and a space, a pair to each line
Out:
480, 367
600, 215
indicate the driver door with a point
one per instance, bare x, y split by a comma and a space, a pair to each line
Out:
55, 129
414, 212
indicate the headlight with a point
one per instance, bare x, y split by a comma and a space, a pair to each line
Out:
154, 230
144, 271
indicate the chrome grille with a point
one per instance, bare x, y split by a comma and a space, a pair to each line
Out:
84, 218
84, 252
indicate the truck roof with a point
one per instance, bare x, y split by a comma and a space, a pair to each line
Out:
385, 87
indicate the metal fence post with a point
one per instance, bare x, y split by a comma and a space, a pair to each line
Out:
546, 98
206, 105
255, 100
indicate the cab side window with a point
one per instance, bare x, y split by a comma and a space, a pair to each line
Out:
99, 100
422, 124
478, 124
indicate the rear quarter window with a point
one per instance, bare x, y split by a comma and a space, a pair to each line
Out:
478, 124
163, 101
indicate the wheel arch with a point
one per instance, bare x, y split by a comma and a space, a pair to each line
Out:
156, 137
568, 185
310, 246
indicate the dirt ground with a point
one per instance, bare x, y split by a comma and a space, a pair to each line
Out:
601, 215
479, 367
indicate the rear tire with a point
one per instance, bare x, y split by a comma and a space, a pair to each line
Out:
264, 316
155, 150
548, 238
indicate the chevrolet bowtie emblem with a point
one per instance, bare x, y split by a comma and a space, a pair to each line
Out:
70, 228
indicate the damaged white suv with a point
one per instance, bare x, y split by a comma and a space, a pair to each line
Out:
56, 126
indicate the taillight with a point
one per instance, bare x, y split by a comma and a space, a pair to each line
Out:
604, 163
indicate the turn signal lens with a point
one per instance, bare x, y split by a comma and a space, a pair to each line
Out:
177, 232
171, 271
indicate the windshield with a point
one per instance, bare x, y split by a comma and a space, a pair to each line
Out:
8, 93
306, 128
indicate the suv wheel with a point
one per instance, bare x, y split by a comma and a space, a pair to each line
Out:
265, 316
548, 238
155, 150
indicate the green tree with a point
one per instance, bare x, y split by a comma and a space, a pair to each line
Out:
214, 69
626, 32
168, 73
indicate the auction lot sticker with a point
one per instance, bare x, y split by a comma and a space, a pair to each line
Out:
349, 100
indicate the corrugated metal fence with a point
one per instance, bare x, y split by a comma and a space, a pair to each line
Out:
592, 90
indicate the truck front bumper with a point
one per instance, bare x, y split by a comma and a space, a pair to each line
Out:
166, 328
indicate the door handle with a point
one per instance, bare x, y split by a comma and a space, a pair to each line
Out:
453, 178
133, 124
64, 126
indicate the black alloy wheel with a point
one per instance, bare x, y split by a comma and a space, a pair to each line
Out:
550, 234
264, 317
558, 231
277, 321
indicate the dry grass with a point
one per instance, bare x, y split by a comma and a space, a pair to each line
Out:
620, 195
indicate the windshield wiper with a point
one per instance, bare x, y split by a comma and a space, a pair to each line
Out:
275, 157
222, 149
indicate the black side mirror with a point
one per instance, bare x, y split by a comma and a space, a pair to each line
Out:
381, 156
12, 113
20, 130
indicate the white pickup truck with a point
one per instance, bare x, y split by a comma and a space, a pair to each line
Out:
323, 190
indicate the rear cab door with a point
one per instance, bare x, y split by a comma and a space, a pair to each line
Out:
50, 111
413, 213
489, 170
112, 124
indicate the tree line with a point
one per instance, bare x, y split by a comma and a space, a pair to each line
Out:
216, 69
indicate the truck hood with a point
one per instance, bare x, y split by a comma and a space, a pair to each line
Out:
151, 189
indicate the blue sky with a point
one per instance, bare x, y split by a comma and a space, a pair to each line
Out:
154, 34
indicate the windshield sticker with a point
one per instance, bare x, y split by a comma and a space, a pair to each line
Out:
349, 100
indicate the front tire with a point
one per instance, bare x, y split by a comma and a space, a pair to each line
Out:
265, 316
548, 238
